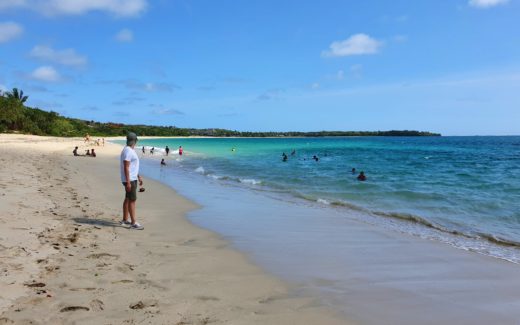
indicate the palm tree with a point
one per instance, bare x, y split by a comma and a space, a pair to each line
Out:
17, 95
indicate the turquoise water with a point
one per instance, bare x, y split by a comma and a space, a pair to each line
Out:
456, 187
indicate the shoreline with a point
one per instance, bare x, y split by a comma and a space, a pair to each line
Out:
72, 262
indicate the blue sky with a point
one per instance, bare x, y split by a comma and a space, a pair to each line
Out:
444, 66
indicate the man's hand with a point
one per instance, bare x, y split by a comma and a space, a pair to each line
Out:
128, 186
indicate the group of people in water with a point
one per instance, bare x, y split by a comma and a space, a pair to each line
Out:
166, 150
89, 152
361, 177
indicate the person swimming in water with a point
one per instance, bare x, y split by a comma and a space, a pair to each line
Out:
293, 152
353, 170
284, 157
163, 163
361, 177
315, 158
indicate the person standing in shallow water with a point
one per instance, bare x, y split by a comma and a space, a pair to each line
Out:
167, 150
361, 177
129, 167
180, 150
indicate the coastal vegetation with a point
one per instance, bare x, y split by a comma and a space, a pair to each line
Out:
16, 117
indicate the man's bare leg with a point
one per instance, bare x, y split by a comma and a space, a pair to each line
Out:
125, 209
131, 210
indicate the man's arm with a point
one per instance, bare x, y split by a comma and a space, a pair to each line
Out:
128, 185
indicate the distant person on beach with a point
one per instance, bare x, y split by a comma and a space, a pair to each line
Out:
103, 142
284, 157
163, 163
361, 177
87, 138
75, 151
88, 152
180, 150
143, 151
151, 150
93, 154
129, 167
167, 150
353, 170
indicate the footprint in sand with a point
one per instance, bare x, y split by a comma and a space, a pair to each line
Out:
103, 255
82, 289
51, 269
35, 285
122, 281
97, 305
207, 298
145, 304
74, 308
125, 268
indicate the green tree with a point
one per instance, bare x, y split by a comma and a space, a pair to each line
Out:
17, 94
11, 113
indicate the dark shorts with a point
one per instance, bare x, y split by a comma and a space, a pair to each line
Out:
132, 195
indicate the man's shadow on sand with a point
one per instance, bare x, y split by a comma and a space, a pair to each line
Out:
96, 222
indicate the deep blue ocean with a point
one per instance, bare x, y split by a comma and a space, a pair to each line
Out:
464, 191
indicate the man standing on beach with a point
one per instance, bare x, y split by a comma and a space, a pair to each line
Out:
129, 176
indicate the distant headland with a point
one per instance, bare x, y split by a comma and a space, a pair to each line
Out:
16, 117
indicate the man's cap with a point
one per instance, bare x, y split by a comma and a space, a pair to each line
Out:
131, 137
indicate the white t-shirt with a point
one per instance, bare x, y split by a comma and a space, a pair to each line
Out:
129, 154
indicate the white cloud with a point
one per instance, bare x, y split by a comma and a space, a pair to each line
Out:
486, 3
149, 86
357, 44
125, 35
46, 73
67, 57
121, 8
167, 111
9, 31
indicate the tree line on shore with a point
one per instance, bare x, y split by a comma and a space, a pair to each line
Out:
16, 117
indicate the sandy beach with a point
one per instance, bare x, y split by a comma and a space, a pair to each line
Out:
66, 260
